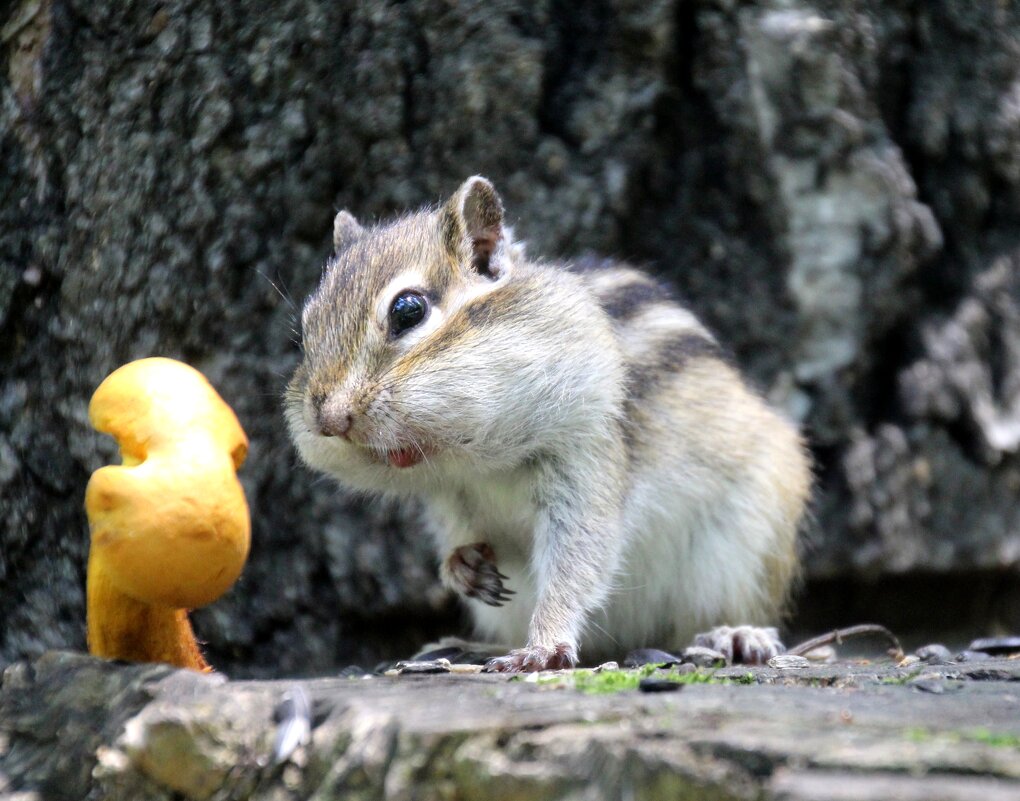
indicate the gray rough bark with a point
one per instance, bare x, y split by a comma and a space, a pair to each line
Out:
834, 186
832, 733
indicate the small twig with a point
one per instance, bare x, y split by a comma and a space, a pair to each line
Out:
836, 637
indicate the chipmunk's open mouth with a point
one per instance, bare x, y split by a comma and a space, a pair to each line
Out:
405, 457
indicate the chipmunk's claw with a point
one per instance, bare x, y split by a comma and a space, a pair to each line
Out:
533, 658
748, 645
471, 571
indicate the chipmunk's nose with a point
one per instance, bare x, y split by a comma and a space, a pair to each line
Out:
334, 419
335, 425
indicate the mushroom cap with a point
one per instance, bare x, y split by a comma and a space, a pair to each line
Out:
170, 525
150, 403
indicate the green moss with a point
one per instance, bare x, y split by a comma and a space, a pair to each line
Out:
615, 681
997, 739
609, 681
902, 678
919, 734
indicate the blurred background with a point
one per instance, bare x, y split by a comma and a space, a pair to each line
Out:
833, 186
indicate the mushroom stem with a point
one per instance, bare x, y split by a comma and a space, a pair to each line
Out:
120, 627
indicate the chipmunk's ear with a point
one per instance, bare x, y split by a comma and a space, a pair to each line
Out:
472, 224
345, 230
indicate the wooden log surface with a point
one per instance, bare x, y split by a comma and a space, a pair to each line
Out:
75, 727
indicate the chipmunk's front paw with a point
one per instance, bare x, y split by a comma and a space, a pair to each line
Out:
471, 571
750, 645
533, 658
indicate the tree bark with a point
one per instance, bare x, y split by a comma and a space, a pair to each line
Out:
834, 187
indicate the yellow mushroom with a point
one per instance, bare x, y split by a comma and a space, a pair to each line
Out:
170, 526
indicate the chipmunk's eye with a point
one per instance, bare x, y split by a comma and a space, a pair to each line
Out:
408, 309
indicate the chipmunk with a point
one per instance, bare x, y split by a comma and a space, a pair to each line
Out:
595, 473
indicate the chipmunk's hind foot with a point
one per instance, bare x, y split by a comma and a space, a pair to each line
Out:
748, 645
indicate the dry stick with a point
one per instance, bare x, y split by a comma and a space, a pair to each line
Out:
839, 635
